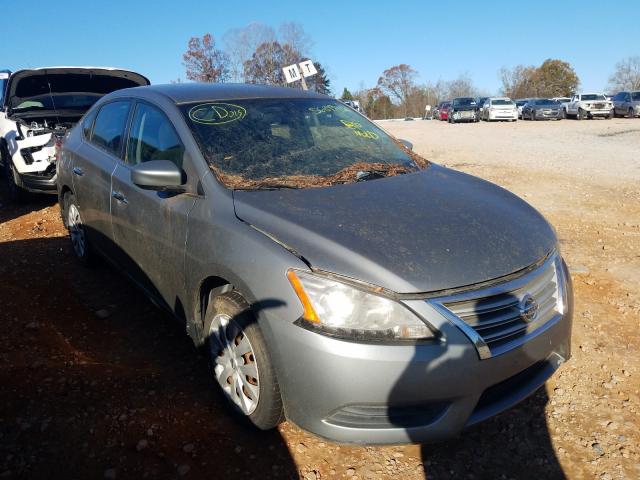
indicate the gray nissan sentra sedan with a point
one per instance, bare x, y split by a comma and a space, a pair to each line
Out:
335, 278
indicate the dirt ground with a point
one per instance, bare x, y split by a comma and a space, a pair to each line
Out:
97, 383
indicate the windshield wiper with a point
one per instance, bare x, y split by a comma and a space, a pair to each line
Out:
269, 186
364, 175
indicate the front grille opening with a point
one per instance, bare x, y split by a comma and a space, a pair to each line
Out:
499, 317
386, 416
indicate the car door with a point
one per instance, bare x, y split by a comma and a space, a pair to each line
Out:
93, 164
626, 103
150, 226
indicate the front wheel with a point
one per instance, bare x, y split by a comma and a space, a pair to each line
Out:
10, 179
630, 113
580, 114
240, 362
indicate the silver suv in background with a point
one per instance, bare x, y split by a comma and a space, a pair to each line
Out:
39, 106
626, 103
333, 276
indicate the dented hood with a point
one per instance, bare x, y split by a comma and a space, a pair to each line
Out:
27, 84
428, 231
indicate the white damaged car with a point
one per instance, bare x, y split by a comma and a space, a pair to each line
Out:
38, 107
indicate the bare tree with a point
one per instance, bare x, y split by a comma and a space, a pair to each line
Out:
626, 75
293, 34
517, 82
240, 43
204, 62
397, 82
461, 87
265, 65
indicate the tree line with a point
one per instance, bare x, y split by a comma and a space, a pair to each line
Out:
252, 54
397, 93
257, 53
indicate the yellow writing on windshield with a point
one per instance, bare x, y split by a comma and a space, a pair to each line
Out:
358, 131
327, 109
217, 113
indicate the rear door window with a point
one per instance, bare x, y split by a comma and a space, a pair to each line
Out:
87, 124
109, 126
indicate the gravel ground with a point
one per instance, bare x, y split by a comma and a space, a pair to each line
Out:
96, 383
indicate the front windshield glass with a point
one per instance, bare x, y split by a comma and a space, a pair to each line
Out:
520, 103
57, 102
501, 101
546, 101
463, 102
592, 96
284, 142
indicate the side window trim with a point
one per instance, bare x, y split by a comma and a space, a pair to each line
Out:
94, 112
132, 113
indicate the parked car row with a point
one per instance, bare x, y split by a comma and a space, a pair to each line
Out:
246, 212
580, 106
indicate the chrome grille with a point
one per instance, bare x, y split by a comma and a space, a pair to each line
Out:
502, 317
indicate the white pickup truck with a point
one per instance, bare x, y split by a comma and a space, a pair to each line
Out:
589, 105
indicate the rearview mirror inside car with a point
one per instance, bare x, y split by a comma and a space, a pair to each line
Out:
160, 175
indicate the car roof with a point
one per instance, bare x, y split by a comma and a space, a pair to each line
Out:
202, 92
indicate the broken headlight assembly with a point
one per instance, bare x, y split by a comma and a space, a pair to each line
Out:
340, 309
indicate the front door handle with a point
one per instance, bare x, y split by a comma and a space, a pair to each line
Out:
78, 171
119, 197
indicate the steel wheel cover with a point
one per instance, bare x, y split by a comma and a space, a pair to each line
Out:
76, 230
234, 363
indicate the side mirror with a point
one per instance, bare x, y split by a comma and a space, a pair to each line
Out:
406, 143
161, 175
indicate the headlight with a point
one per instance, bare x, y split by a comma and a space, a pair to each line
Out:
343, 310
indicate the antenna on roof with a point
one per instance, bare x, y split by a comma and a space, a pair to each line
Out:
53, 102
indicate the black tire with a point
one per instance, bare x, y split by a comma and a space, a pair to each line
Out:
12, 191
268, 411
72, 219
630, 113
533, 115
580, 114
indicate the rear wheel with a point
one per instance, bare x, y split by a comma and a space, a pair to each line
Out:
77, 230
240, 362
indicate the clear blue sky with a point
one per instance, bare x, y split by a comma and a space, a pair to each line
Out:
356, 40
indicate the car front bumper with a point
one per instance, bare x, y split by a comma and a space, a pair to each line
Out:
389, 394
498, 115
600, 112
540, 115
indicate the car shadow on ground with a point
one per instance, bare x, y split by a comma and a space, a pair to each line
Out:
97, 382
515, 444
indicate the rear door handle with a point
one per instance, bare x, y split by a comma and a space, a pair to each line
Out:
78, 171
119, 197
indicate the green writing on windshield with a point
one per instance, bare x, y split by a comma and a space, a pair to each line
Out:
217, 113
